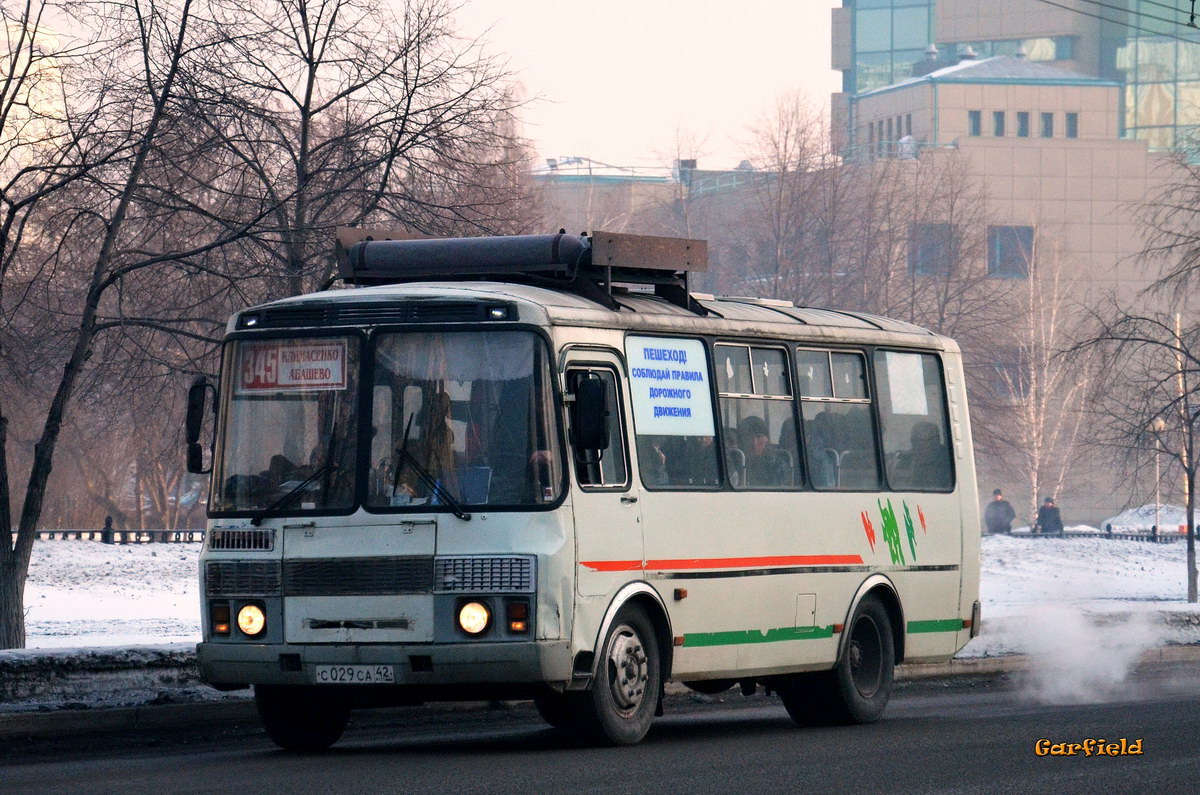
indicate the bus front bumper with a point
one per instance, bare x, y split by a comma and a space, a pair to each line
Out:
473, 664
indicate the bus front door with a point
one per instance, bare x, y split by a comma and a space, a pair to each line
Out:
608, 528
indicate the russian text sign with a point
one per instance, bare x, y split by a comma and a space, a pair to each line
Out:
280, 365
668, 382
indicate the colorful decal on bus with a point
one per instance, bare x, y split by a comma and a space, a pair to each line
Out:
869, 529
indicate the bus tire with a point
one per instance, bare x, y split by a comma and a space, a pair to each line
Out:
857, 688
620, 707
301, 718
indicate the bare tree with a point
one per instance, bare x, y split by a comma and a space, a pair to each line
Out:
1151, 405
1038, 436
1168, 219
98, 240
345, 112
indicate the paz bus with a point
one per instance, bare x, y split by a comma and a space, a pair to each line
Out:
541, 467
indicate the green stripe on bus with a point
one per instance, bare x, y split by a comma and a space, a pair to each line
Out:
937, 625
757, 636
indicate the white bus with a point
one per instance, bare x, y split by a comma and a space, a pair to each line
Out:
539, 467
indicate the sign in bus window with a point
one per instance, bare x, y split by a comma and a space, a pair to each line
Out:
283, 366
669, 389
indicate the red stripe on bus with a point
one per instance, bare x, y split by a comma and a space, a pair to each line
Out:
724, 563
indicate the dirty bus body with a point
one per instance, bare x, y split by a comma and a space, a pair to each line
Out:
539, 467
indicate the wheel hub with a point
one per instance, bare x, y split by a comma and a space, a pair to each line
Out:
628, 670
865, 656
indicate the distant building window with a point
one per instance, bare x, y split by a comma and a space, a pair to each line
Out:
1010, 250
890, 134
1064, 48
1047, 125
1072, 125
1022, 124
975, 122
908, 124
931, 249
998, 123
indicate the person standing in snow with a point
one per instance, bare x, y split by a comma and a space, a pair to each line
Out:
999, 515
1049, 520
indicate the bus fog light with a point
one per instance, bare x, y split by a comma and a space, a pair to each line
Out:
251, 620
474, 617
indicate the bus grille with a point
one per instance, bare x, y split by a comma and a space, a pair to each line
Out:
242, 578
242, 539
358, 576
484, 574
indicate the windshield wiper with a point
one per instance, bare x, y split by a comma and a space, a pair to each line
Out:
257, 519
404, 457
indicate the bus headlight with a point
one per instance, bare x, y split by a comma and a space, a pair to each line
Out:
474, 617
251, 620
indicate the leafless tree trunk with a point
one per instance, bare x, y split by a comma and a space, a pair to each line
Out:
160, 43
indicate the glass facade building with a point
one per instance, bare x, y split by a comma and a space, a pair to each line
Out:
1146, 45
1159, 62
888, 37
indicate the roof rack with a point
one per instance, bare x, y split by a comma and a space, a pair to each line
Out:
588, 266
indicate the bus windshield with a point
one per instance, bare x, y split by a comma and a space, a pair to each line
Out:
463, 413
291, 424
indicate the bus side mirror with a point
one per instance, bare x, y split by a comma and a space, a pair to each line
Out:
196, 399
591, 414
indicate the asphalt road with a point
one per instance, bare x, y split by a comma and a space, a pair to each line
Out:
961, 735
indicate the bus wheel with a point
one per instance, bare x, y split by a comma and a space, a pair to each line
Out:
625, 693
858, 687
301, 718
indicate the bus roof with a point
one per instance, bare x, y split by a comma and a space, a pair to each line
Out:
458, 301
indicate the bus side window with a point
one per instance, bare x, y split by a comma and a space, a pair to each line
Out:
758, 414
606, 468
839, 432
912, 413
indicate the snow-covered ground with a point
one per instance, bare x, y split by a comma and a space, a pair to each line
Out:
83, 593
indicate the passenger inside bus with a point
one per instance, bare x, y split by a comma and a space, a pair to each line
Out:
931, 458
765, 464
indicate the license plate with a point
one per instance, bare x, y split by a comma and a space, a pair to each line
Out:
354, 674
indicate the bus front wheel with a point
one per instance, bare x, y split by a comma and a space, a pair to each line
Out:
301, 718
620, 707
857, 688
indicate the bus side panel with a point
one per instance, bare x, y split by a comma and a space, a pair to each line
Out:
768, 584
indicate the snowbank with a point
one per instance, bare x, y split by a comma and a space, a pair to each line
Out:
1141, 519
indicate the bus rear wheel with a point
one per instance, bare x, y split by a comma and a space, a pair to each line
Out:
301, 718
857, 688
620, 707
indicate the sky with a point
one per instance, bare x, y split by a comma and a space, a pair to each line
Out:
621, 82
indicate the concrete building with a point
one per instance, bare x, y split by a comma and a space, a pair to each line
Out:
1044, 144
